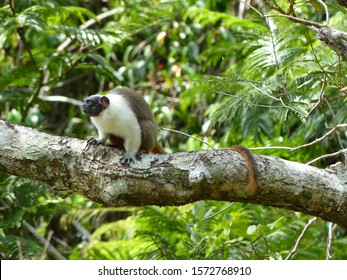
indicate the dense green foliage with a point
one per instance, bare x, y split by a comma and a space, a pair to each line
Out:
207, 68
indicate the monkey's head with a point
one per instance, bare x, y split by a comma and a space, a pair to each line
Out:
94, 105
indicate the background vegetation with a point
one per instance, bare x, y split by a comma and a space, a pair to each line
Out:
220, 71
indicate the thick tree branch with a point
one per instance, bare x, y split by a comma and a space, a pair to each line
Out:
68, 166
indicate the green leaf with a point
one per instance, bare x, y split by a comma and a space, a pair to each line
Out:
205, 16
252, 229
19, 76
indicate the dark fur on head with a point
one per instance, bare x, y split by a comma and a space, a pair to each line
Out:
94, 105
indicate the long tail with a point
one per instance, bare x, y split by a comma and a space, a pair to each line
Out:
251, 166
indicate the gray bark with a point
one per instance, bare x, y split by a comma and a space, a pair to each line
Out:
69, 166
334, 39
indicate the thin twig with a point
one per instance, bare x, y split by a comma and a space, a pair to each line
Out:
218, 212
335, 128
47, 243
51, 250
298, 20
254, 9
257, 88
328, 155
343, 151
291, 149
320, 100
338, 134
81, 229
268, 95
247, 101
271, 148
276, 8
89, 23
20, 249
63, 99
326, 11
332, 227
295, 248
290, 108
188, 135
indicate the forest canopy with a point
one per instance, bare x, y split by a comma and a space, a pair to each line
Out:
268, 75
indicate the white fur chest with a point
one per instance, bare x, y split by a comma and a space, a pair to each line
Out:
118, 119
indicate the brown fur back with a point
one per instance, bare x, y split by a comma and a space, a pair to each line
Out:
144, 114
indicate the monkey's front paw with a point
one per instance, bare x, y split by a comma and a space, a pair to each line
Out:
127, 159
93, 141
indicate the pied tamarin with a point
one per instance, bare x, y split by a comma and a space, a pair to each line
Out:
125, 118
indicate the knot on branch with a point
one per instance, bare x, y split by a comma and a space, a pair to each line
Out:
336, 40
199, 174
340, 170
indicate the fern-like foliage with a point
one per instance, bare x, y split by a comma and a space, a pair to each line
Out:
16, 248
205, 230
30, 201
205, 17
50, 26
272, 82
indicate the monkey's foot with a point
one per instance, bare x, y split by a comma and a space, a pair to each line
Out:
93, 141
127, 159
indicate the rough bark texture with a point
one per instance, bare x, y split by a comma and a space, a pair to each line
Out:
68, 166
334, 39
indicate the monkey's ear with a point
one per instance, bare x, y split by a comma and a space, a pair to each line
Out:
105, 102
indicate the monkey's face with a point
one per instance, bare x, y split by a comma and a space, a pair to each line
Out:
94, 105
